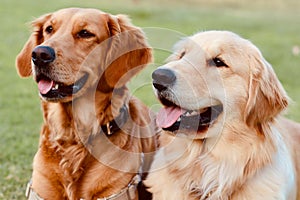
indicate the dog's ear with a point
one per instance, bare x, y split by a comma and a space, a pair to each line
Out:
23, 60
127, 53
267, 97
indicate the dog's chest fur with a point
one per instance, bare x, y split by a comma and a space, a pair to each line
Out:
192, 170
66, 149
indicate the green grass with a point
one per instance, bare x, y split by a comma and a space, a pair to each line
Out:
274, 27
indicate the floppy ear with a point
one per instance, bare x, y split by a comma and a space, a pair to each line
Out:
128, 52
23, 60
267, 97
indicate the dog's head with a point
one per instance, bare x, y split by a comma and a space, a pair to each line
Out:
215, 77
74, 49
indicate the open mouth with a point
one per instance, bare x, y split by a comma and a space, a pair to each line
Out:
54, 90
173, 118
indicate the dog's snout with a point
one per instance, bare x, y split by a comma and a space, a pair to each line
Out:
163, 78
42, 55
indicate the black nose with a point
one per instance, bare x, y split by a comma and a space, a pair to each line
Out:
42, 55
163, 78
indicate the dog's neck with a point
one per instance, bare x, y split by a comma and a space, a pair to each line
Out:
214, 161
212, 171
83, 116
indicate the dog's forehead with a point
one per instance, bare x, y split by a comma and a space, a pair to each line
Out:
79, 15
222, 43
217, 40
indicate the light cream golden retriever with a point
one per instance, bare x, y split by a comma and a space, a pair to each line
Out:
223, 135
94, 133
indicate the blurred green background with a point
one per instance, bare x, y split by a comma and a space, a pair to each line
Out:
274, 26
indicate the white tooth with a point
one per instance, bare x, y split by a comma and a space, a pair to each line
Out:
194, 113
56, 86
190, 113
179, 119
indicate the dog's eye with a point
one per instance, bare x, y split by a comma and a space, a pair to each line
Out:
218, 62
85, 34
182, 54
49, 29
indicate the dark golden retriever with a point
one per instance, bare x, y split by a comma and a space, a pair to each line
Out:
223, 135
96, 139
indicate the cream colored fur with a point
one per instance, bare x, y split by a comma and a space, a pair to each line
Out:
249, 152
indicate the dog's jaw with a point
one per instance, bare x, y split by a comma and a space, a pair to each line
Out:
181, 121
54, 91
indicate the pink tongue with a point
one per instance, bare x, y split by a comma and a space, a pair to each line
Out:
45, 86
168, 116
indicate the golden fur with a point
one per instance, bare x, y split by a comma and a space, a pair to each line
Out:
71, 161
249, 151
